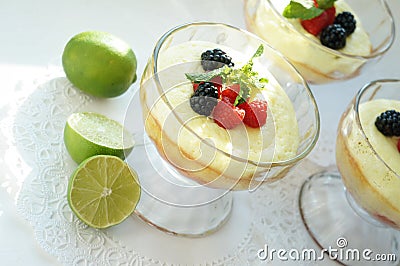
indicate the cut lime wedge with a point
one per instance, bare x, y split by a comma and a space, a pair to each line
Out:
87, 134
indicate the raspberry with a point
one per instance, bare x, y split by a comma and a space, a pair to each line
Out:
204, 98
333, 36
347, 21
216, 58
217, 81
230, 93
195, 86
315, 25
228, 96
388, 123
255, 113
226, 115
398, 145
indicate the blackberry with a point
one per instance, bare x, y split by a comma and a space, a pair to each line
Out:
333, 36
347, 21
204, 98
216, 58
388, 123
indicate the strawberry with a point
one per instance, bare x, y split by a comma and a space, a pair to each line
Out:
226, 115
230, 93
315, 25
255, 113
331, 12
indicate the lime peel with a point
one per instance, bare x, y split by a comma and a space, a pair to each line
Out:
99, 64
87, 134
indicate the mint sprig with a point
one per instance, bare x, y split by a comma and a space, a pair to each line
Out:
245, 76
325, 4
297, 10
207, 76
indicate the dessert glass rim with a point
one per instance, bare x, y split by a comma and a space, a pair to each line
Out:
162, 40
355, 107
375, 53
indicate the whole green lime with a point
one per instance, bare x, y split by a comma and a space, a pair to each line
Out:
99, 64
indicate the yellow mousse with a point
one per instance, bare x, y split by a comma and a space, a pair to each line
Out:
196, 145
373, 182
314, 60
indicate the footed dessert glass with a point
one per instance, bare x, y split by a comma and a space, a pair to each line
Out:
356, 211
317, 63
187, 178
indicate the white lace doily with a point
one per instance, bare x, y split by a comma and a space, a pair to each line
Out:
37, 169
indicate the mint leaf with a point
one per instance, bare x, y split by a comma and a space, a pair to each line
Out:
243, 94
207, 76
325, 4
258, 53
247, 78
297, 10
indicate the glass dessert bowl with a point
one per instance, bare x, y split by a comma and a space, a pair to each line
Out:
372, 37
367, 155
196, 141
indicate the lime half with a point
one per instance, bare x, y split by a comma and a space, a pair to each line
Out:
87, 134
103, 191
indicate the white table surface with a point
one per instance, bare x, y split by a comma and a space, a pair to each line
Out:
33, 34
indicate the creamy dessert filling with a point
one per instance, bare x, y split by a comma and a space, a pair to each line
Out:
172, 122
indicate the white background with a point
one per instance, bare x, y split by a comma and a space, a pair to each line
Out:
34, 33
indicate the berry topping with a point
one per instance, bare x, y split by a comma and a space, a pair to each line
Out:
204, 98
195, 86
398, 145
320, 19
388, 123
333, 36
219, 92
227, 116
255, 113
331, 13
315, 25
347, 21
230, 93
216, 58
229, 96
217, 81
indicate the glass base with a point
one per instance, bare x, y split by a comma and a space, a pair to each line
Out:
345, 232
173, 203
